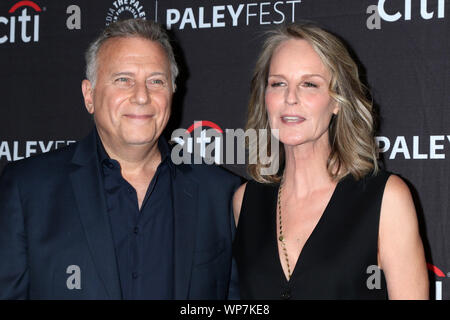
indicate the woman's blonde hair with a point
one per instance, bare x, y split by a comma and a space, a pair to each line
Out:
351, 131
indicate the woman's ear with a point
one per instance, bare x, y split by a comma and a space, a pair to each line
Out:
336, 108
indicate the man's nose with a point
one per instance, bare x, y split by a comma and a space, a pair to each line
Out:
141, 94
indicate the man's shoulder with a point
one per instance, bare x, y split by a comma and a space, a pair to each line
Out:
42, 164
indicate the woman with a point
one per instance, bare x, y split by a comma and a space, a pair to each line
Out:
320, 227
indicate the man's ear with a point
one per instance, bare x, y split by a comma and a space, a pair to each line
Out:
88, 94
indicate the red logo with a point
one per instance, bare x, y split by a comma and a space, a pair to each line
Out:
28, 31
438, 284
436, 270
30, 4
204, 123
200, 138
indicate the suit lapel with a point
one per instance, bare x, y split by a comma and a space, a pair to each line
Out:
87, 188
185, 192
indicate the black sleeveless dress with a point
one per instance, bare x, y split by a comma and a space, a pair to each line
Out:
337, 261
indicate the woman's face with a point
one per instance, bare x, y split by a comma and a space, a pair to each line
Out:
297, 97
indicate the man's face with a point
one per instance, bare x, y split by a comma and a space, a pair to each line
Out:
133, 92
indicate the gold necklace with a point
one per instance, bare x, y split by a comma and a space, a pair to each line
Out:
281, 237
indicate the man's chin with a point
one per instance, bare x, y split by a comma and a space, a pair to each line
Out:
140, 143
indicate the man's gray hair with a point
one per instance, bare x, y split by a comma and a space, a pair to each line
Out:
126, 29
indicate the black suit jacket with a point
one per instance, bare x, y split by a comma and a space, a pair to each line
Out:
53, 216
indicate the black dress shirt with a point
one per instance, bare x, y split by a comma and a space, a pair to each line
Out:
143, 239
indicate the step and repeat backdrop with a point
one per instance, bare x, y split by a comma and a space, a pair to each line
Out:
402, 47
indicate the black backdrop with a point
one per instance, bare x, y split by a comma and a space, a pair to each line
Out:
402, 47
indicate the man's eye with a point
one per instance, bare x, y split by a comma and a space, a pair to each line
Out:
123, 81
156, 82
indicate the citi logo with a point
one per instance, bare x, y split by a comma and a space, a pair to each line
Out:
27, 33
424, 13
204, 123
438, 273
205, 141
202, 137
390, 11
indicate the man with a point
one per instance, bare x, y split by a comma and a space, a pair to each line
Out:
112, 217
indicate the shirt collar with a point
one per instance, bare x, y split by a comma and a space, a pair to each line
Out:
163, 147
102, 155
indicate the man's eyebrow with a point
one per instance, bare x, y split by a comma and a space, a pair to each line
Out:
127, 73
122, 74
158, 73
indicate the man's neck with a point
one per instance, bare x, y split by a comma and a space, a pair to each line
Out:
134, 158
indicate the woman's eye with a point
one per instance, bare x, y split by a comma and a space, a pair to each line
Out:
310, 84
276, 84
